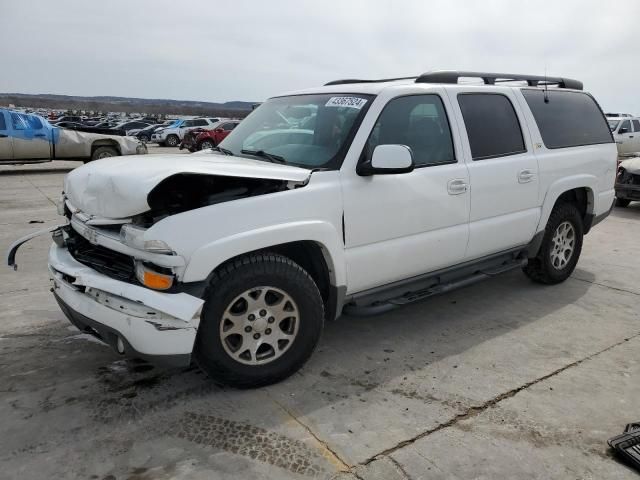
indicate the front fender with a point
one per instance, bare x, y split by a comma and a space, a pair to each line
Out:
557, 188
208, 257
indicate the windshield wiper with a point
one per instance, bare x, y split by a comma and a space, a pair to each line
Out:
269, 156
222, 150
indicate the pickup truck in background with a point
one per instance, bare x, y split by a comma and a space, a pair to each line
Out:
27, 138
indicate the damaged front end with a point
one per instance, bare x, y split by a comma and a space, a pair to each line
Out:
112, 277
628, 180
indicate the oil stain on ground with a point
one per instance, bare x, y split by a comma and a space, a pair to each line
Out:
249, 441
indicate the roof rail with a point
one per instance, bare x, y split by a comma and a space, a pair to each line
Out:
347, 81
452, 76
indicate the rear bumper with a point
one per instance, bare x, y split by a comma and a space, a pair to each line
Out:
134, 320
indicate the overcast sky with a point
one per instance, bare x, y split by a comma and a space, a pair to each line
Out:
250, 50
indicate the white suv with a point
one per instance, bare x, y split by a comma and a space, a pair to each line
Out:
626, 133
171, 135
359, 195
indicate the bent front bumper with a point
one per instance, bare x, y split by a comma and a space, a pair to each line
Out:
134, 320
628, 191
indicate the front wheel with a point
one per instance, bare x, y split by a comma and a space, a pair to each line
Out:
206, 145
172, 140
260, 323
561, 246
104, 152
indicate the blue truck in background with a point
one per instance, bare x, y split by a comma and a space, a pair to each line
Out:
28, 138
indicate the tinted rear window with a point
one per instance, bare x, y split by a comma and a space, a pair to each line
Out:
492, 125
3, 125
568, 119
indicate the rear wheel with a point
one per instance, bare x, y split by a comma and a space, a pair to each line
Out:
561, 246
104, 152
172, 140
622, 202
206, 145
261, 321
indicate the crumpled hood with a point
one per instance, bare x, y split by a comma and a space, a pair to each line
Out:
632, 165
118, 187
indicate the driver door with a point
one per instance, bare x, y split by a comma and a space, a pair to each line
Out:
399, 226
625, 137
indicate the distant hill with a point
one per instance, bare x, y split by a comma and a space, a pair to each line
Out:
129, 105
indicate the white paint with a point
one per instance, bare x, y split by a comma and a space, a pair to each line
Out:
118, 187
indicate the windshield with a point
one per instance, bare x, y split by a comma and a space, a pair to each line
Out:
613, 124
310, 131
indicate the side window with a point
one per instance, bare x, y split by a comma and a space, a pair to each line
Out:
567, 119
3, 124
492, 125
419, 122
187, 123
626, 125
228, 126
199, 123
34, 122
16, 122
636, 125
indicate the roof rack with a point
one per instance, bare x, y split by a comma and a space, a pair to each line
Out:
452, 76
357, 80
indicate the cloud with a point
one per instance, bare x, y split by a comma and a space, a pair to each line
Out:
251, 50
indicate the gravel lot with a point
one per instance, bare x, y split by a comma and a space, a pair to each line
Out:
504, 379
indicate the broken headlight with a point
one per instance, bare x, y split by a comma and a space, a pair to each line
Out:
133, 237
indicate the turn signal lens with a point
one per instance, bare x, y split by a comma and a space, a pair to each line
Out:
151, 279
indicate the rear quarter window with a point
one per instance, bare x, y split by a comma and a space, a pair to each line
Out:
567, 119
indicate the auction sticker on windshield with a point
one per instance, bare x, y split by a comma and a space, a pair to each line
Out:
351, 102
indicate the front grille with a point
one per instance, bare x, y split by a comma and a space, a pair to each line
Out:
627, 178
108, 262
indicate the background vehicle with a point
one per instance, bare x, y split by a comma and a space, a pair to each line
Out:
69, 118
26, 138
144, 134
131, 125
628, 182
626, 133
211, 138
393, 191
171, 136
69, 124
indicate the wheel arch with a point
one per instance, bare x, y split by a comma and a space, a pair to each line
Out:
105, 142
314, 245
579, 190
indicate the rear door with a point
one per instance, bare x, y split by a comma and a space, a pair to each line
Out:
503, 171
30, 139
6, 148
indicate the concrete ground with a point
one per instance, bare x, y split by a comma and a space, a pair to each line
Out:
504, 379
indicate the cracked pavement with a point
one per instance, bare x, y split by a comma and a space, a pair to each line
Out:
503, 379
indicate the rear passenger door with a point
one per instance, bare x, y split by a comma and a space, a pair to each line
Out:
503, 172
6, 149
30, 138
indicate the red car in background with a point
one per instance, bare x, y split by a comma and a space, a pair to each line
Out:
201, 139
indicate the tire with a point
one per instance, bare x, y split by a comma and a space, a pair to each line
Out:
548, 267
104, 152
172, 141
206, 144
226, 359
622, 202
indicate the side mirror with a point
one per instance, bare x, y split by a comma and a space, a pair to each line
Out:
387, 159
623, 130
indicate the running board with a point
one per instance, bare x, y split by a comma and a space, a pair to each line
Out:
437, 286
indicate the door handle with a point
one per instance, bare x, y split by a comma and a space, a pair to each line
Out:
39, 135
457, 186
525, 176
